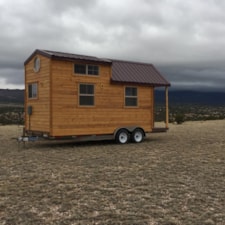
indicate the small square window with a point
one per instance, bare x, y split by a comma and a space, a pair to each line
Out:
86, 100
80, 69
131, 101
86, 89
93, 70
131, 91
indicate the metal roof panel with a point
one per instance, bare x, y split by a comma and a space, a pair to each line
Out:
134, 72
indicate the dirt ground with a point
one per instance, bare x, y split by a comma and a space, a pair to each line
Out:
171, 178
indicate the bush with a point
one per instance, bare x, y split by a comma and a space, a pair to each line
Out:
11, 115
179, 118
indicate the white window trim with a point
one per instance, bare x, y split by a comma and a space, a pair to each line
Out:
33, 96
92, 95
86, 70
135, 97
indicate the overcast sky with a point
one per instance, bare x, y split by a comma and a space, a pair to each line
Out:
185, 40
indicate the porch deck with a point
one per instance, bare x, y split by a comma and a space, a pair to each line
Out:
159, 129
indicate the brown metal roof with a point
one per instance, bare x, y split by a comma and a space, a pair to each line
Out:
66, 56
138, 73
122, 71
75, 56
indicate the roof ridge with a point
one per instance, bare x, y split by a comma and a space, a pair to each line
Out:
68, 53
52, 53
131, 62
67, 56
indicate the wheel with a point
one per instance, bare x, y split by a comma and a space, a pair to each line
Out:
137, 135
122, 136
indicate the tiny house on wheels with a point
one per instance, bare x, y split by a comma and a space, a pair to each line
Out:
84, 97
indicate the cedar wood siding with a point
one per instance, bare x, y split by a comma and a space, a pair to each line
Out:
108, 113
56, 110
40, 118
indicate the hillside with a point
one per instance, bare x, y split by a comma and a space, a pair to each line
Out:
11, 96
192, 98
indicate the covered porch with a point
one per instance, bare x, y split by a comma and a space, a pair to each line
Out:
158, 127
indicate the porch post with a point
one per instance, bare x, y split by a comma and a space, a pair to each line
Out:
167, 107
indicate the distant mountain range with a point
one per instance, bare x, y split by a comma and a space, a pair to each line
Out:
175, 97
11, 96
192, 97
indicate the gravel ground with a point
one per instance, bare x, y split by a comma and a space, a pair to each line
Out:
170, 178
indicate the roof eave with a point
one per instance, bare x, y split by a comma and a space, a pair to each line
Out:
79, 60
37, 51
140, 84
52, 56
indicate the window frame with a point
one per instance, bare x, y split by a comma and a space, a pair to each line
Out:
87, 69
33, 94
74, 68
86, 95
36, 64
95, 68
130, 97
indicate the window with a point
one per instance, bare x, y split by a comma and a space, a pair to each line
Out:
81, 69
92, 70
131, 98
32, 90
37, 64
86, 95
86, 69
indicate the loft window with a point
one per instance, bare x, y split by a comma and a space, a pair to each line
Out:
32, 90
131, 97
80, 69
86, 95
86, 69
92, 70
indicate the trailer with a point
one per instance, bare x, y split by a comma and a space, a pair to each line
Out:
77, 97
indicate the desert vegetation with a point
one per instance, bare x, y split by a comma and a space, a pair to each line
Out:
169, 179
191, 112
11, 114
14, 113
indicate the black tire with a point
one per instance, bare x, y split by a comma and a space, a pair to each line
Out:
137, 135
122, 136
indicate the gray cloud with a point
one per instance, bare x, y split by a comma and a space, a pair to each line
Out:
195, 77
185, 40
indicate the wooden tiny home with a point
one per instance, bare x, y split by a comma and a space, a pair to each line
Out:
69, 95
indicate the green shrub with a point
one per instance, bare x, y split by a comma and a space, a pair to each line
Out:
179, 118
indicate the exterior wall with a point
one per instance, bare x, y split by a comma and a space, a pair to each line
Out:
108, 113
40, 118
